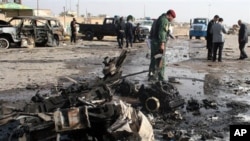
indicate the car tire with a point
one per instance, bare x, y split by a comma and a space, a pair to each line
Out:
197, 37
89, 35
100, 37
4, 43
190, 37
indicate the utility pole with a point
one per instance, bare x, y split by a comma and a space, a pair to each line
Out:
37, 7
144, 11
70, 5
77, 6
209, 9
64, 14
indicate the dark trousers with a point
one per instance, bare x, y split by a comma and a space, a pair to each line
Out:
73, 37
217, 46
242, 50
209, 49
129, 40
120, 40
136, 37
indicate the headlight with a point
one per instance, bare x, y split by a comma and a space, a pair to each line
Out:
204, 29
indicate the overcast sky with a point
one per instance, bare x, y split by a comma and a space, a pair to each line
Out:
230, 10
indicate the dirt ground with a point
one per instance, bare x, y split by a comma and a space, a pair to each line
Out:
226, 83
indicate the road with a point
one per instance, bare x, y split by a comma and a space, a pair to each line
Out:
224, 82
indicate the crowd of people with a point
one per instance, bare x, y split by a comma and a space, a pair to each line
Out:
216, 38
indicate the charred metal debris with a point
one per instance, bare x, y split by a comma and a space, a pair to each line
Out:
85, 110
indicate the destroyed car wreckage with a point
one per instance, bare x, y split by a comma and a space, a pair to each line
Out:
84, 110
31, 31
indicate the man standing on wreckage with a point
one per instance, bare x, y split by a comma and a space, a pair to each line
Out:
159, 33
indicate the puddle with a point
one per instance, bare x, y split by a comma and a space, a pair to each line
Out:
177, 54
190, 86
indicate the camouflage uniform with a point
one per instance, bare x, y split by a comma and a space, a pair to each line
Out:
159, 35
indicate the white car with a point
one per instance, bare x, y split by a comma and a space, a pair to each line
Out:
145, 23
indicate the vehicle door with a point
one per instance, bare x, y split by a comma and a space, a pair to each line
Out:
17, 23
57, 28
109, 27
40, 31
50, 34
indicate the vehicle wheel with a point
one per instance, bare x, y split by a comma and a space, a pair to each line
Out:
142, 39
4, 43
197, 37
100, 37
190, 37
89, 35
56, 41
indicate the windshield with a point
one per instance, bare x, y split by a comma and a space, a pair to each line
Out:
15, 22
199, 21
147, 22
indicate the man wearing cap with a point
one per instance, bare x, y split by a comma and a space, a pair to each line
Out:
158, 44
209, 37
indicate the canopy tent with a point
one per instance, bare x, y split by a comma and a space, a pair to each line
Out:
14, 9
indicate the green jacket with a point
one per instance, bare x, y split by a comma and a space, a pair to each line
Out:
162, 30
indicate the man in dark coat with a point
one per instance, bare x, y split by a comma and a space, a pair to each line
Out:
73, 30
129, 31
137, 32
120, 32
218, 31
209, 37
243, 39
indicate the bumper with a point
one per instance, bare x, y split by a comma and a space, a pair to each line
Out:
198, 33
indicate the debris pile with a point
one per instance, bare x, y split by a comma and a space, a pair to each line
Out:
88, 111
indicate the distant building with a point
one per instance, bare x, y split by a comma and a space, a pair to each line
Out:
15, 1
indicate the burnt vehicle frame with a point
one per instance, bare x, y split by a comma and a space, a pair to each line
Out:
88, 110
25, 31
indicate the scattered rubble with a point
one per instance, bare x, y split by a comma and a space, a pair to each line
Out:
88, 111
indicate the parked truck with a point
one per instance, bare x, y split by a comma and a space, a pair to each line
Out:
198, 27
108, 28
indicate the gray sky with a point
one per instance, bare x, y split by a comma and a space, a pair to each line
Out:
230, 10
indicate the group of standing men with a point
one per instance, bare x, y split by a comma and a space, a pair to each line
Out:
125, 30
215, 39
159, 34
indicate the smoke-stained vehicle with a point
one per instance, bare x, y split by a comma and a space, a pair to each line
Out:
31, 31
